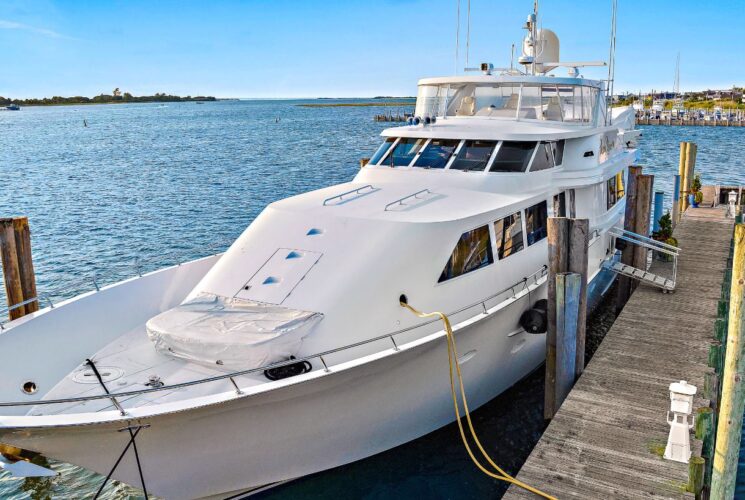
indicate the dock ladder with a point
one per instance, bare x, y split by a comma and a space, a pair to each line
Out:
666, 255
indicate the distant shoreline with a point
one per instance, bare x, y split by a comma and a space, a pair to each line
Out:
353, 104
103, 99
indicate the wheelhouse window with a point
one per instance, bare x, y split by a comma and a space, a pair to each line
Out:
473, 251
474, 155
513, 157
509, 234
437, 154
543, 159
558, 150
615, 190
536, 222
404, 151
382, 150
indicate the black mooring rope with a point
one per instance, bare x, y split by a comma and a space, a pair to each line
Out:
132, 442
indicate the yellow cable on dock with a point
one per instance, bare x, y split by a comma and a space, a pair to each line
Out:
453, 360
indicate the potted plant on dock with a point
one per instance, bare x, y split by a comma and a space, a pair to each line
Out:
696, 195
665, 235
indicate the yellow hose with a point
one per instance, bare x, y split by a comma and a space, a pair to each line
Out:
453, 360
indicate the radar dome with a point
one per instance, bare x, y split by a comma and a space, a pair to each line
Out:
547, 50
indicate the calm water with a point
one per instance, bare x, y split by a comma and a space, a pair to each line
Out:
159, 183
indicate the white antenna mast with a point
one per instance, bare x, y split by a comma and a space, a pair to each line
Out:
468, 31
676, 85
611, 62
457, 35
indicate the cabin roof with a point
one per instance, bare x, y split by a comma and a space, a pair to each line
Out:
536, 79
474, 127
440, 204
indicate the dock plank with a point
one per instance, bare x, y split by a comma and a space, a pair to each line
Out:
604, 441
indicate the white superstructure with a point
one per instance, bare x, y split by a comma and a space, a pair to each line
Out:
450, 212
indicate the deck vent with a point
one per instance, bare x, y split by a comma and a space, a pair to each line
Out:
314, 231
294, 255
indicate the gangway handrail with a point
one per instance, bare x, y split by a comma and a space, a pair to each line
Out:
638, 238
400, 201
543, 271
342, 195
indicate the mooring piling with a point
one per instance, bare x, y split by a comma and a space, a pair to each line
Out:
568, 241
732, 404
18, 268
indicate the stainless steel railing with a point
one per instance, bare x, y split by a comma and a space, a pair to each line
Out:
400, 201
139, 267
341, 196
515, 289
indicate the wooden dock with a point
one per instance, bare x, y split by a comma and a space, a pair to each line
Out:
692, 122
608, 437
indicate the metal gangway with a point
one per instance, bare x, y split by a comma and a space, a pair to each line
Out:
651, 274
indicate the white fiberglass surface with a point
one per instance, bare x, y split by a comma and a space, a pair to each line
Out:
131, 363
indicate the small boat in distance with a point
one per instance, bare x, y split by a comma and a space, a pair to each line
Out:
12, 107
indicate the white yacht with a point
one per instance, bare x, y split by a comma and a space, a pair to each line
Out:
290, 353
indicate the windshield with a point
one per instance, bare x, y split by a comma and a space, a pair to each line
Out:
524, 101
474, 155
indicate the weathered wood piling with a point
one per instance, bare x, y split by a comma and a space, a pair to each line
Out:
18, 268
729, 428
568, 241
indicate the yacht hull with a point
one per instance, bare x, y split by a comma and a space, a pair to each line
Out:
339, 417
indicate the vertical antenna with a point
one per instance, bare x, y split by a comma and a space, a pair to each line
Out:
468, 31
512, 59
676, 85
534, 30
457, 35
611, 62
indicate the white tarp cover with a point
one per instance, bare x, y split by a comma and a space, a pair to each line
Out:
240, 334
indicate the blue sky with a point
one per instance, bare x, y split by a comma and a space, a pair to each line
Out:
283, 48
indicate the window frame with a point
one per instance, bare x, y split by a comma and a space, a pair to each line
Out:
462, 144
489, 247
522, 234
426, 145
545, 226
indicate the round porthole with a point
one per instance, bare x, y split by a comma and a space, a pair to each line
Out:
29, 387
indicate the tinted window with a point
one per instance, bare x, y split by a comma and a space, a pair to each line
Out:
558, 148
535, 222
509, 234
404, 152
473, 251
611, 197
437, 153
615, 189
513, 157
382, 150
474, 155
543, 158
